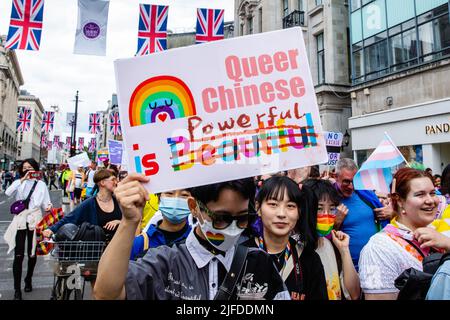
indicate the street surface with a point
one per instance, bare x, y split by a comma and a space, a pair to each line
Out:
43, 273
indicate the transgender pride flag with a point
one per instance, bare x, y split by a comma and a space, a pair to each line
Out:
376, 172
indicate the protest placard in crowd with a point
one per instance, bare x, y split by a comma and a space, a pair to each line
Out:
220, 111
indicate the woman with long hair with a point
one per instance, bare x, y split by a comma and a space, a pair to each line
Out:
22, 228
282, 229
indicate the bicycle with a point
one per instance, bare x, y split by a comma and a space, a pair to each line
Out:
74, 260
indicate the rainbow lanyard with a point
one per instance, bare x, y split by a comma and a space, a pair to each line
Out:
287, 250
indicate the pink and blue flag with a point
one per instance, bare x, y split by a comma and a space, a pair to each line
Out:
210, 25
152, 34
376, 172
25, 27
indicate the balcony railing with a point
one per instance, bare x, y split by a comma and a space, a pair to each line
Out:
294, 19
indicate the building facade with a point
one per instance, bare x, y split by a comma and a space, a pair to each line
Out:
10, 81
29, 143
325, 30
400, 53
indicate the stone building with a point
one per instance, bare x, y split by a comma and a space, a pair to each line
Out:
325, 31
10, 81
29, 142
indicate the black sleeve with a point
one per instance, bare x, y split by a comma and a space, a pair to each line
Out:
315, 283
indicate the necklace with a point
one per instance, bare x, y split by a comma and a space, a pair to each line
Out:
102, 200
286, 253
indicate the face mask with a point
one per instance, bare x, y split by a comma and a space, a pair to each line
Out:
221, 239
175, 210
325, 223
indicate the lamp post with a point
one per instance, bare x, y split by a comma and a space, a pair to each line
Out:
74, 128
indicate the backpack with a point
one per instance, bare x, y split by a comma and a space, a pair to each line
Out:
90, 232
414, 284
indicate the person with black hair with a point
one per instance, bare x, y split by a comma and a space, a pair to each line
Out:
195, 269
283, 211
22, 228
171, 223
323, 217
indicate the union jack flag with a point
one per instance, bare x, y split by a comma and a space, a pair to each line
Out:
94, 123
47, 121
114, 124
24, 120
152, 34
92, 145
209, 25
25, 27
68, 143
56, 141
49, 145
81, 143
43, 140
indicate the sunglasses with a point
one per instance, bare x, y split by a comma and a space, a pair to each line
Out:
223, 221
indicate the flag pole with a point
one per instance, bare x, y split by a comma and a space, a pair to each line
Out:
390, 140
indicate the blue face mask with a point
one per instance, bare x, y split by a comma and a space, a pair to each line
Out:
175, 210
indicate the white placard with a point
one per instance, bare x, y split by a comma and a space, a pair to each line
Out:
220, 111
75, 161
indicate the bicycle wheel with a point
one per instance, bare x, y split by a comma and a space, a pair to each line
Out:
58, 288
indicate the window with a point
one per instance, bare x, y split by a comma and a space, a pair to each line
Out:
260, 15
320, 59
356, 4
376, 59
300, 5
285, 8
250, 25
421, 39
319, 2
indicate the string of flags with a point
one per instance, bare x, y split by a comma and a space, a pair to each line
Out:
27, 20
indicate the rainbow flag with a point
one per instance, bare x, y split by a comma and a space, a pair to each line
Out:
376, 172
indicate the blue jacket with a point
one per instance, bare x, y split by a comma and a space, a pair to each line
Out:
85, 212
155, 239
371, 198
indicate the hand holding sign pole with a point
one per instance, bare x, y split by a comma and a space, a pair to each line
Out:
221, 111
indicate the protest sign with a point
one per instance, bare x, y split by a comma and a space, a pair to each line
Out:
79, 159
115, 152
333, 141
220, 111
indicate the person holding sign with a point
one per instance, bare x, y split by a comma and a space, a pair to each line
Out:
196, 269
283, 209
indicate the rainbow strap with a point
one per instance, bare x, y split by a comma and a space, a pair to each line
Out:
287, 250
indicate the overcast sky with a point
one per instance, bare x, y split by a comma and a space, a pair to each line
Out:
54, 73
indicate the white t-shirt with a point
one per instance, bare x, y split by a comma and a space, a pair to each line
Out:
328, 257
382, 260
90, 179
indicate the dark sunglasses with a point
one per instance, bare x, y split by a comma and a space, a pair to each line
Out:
223, 221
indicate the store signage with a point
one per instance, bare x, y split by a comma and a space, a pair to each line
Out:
437, 128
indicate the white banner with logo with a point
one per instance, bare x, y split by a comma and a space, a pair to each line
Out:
90, 37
